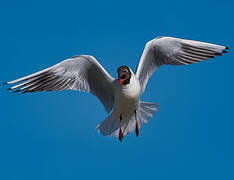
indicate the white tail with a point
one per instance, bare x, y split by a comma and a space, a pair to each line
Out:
110, 126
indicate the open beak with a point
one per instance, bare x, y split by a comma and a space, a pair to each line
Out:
121, 81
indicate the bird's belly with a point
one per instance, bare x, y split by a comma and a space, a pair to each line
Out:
126, 103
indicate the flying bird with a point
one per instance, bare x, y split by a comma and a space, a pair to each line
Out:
120, 97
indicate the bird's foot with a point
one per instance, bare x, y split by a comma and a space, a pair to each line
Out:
121, 136
137, 129
137, 126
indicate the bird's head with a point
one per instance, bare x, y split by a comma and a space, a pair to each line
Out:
124, 75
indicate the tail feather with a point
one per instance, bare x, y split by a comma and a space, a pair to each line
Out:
110, 126
146, 112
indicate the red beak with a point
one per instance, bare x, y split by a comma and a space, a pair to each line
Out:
121, 81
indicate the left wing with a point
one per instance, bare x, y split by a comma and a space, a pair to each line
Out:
81, 72
173, 51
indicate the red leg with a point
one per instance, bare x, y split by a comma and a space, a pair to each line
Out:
137, 127
120, 134
120, 131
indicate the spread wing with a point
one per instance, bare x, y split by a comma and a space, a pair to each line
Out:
81, 72
173, 51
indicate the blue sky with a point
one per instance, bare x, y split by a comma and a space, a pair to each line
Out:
51, 135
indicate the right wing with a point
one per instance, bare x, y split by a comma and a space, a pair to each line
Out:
81, 72
173, 51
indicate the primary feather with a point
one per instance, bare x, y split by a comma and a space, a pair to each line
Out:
173, 51
81, 72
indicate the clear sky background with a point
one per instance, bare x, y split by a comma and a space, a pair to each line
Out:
52, 135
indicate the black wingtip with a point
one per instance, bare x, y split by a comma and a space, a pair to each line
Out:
5, 83
9, 89
24, 92
218, 54
226, 47
224, 51
16, 91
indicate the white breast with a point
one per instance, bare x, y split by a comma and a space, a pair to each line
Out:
127, 96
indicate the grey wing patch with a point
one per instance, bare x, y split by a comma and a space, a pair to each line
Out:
173, 51
80, 72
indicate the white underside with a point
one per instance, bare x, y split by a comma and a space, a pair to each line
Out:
127, 101
127, 97
111, 125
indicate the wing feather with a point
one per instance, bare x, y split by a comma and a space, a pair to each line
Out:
80, 72
173, 51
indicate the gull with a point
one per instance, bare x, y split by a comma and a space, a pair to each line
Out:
120, 97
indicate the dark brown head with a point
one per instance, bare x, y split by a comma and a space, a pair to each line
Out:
124, 75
